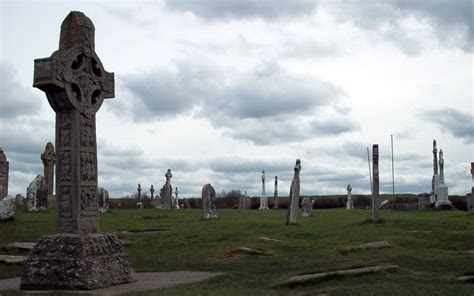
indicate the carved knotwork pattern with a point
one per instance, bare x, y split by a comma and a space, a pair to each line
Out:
87, 132
88, 166
64, 199
64, 125
89, 203
66, 167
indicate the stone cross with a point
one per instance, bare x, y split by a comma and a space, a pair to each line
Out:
49, 159
263, 198
166, 192
435, 158
275, 194
375, 178
349, 204
4, 169
294, 195
75, 84
152, 191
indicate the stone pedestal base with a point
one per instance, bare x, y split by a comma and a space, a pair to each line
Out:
349, 205
75, 262
442, 198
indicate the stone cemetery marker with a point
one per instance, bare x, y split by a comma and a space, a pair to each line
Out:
75, 83
471, 199
294, 195
442, 199
307, 206
176, 200
166, 191
36, 195
103, 200
152, 191
375, 178
435, 179
208, 199
349, 203
3, 174
7, 208
139, 197
49, 159
263, 198
275, 193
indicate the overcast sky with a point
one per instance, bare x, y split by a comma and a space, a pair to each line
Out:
216, 91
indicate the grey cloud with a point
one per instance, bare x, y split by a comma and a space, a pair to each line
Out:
16, 99
267, 9
458, 124
264, 101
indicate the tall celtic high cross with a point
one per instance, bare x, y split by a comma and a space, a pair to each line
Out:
75, 84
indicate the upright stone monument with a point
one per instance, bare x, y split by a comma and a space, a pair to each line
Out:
176, 200
307, 206
166, 192
263, 198
442, 199
75, 83
275, 194
36, 195
208, 199
470, 199
152, 192
349, 203
4, 169
139, 197
103, 200
375, 180
294, 195
435, 179
48, 157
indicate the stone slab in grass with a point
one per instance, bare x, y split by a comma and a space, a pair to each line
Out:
315, 277
364, 246
145, 281
28, 246
268, 239
467, 278
12, 258
249, 251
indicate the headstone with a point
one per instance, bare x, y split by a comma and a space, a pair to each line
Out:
375, 180
307, 206
166, 191
4, 169
48, 157
263, 198
209, 202
152, 192
75, 83
294, 195
20, 200
139, 197
36, 195
7, 208
442, 199
470, 199
435, 178
103, 200
176, 200
349, 203
275, 194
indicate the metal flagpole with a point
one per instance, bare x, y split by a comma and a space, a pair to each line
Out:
370, 173
393, 169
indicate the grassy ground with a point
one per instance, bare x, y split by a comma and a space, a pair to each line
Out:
429, 246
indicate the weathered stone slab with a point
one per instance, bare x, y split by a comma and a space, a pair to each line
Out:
7, 208
12, 258
307, 206
466, 279
371, 245
208, 198
294, 195
263, 198
36, 195
250, 251
28, 246
375, 186
166, 192
268, 239
384, 204
4, 170
303, 279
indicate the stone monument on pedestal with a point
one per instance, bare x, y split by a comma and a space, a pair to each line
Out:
375, 179
263, 198
4, 169
294, 195
78, 256
166, 192
176, 200
349, 203
435, 179
442, 198
139, 197
275, 194
48, 157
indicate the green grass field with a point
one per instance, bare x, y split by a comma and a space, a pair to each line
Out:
430, 248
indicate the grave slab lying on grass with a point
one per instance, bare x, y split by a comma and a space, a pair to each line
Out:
250, 251
22, 245
467, 278
268, 239
145, 281
302, 279
12, 258
371, 245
